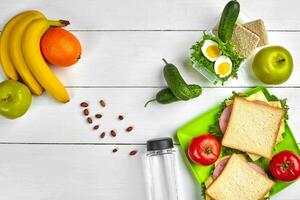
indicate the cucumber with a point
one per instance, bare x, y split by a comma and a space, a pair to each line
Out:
176, 83
165, 96
196, 90
228, 20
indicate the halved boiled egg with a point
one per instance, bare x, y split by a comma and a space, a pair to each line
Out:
211, 50
223, 66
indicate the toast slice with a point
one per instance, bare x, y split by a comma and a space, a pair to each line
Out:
244, 40
258, 27
238, 181
253, 127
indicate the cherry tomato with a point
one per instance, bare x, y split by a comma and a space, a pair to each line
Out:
285, 166
204, 149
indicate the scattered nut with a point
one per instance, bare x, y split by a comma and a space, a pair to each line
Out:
89, 120
84, 104
115, 150
113, 133
129, 129
102, 103
96, 127
133, 152
86, 112
98, 116
102, 135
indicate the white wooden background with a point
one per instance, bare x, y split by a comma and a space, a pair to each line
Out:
51, 152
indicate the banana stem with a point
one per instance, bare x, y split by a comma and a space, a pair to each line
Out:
59, 23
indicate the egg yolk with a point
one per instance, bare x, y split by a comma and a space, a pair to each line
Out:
223, 68
213, 51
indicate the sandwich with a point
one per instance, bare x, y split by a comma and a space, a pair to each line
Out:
224, 119
239, 179
253, 127
260, 97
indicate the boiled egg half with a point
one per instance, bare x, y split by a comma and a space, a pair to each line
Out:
211, 50
223, 66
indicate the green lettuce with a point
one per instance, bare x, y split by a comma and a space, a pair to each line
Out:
227, 49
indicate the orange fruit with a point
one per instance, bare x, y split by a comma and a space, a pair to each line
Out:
60, 47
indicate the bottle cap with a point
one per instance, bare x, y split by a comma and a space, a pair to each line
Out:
159, 144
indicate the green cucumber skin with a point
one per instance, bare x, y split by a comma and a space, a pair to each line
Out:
196, 90
176, 83
165, 96
228, 20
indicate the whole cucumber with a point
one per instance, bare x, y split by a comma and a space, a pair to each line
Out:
176, 83
228, 20
165, 96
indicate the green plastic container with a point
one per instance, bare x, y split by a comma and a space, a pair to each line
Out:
200, 125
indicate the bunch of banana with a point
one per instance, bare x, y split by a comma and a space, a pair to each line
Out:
21, 57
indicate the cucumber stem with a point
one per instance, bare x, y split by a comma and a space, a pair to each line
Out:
151, 100
281, 60
165, 61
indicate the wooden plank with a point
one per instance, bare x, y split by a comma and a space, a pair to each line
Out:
279, 15
154, 15
121, 59
127, 15
34, 172
134, 59
51, 122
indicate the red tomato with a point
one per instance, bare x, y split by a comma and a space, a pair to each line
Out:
204, 149
285, 166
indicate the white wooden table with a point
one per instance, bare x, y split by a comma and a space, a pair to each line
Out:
52, 153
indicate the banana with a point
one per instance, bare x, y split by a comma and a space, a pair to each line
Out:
16, 54
36, 63
6, 63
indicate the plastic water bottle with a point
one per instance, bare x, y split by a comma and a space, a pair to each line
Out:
161, 170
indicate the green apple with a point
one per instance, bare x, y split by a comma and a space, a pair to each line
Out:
15, 99
273, 65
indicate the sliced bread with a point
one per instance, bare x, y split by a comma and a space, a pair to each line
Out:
253, 127
258, 27
238, 181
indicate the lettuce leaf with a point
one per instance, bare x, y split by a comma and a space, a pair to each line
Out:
283, 103
227, 49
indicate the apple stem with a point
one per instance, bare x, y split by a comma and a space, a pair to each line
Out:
281, 60
6, 98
